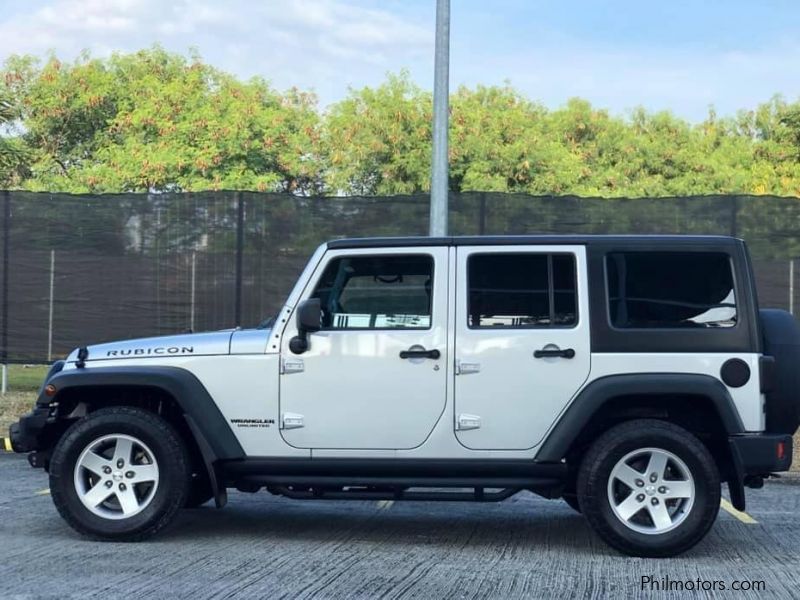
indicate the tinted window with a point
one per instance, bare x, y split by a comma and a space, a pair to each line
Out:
670, 289
521, 290
376, 292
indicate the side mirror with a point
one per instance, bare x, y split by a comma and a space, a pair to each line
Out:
309, 320
309, 315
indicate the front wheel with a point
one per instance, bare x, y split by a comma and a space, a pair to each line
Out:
119, 474
649, 488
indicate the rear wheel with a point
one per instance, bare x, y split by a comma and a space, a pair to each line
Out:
649, 488
120, 473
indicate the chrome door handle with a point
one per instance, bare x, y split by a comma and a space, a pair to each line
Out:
554, 353
434, 354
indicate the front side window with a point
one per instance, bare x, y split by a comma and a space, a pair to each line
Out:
521, 290
376, 292
670, 290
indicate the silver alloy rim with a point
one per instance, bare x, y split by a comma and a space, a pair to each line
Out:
651, 491
116, 476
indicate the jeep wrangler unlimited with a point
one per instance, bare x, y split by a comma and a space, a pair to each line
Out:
630, 376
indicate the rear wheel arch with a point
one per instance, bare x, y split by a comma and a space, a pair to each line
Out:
698, 403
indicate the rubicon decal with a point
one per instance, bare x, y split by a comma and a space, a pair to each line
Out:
151, 351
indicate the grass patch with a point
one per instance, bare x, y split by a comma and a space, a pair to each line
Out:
12, 406
23, 383
26, 378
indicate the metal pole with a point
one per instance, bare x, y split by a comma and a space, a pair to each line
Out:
52, 288
791, 286
441, 84
194, 282
237, 317
6, 249
482, 215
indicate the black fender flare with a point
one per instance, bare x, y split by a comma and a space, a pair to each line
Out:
592, 398
202, 413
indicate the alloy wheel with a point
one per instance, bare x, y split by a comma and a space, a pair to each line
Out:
116, 476
651, 491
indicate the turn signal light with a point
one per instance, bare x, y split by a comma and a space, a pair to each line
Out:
781, 449
50, 390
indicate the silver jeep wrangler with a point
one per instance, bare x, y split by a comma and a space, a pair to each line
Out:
629, 376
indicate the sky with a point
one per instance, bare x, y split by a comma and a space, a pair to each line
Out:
664, 55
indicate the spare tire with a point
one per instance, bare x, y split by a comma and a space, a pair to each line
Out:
781, 380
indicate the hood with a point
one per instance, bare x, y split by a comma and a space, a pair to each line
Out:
190, 344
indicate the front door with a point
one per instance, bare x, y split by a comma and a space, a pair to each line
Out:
522, 341
374, 377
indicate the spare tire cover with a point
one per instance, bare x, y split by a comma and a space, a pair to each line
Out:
781, 332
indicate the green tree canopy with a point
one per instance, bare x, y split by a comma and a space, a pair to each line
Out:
154, 120
158, 121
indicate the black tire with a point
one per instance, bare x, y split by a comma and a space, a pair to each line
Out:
572, 501
618, 442
173, 473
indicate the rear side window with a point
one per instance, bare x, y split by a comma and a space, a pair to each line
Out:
521, 290
653, 290
376, 292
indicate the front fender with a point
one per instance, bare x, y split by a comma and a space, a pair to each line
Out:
192, 397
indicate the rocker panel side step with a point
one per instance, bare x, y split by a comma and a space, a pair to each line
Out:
477, 495
401, 482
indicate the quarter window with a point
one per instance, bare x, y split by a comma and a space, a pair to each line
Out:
670, 290
521, 290
376, 292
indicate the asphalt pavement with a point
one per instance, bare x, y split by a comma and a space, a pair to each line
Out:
262, 546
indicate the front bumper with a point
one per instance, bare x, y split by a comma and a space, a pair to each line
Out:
761, 454
25, 433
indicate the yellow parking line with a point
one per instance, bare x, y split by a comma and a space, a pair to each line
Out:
742, 516
44, 492
384, 504
7, 445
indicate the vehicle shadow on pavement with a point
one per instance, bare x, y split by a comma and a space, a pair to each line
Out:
539, 526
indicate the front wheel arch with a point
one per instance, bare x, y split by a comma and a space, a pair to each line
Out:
146, 386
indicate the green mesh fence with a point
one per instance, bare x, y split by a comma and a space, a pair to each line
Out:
84, 269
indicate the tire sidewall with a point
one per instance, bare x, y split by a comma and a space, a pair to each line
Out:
171, 466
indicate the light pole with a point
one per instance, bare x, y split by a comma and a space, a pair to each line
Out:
439, 162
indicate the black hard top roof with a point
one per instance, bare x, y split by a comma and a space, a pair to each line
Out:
509, 240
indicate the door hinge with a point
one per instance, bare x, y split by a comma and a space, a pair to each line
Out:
292, 421
465, 368
465, 422
292, 365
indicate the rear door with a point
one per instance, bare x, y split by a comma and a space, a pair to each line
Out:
522, 341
